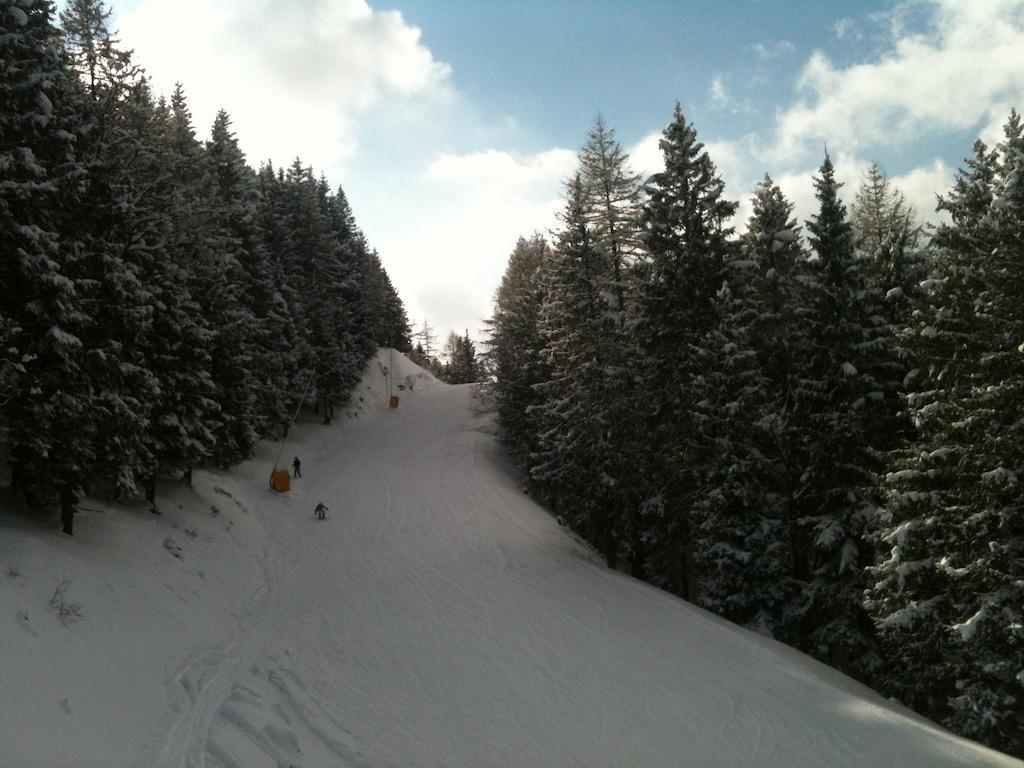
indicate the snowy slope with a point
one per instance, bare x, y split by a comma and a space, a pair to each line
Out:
436, 618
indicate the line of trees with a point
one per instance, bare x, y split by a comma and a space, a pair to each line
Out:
817, 433
162, 304
458, 363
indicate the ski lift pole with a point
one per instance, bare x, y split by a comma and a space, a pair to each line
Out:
392, 398
291, 423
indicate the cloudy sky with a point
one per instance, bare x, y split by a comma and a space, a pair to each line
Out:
451, 124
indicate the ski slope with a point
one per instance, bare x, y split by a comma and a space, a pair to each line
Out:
438, 617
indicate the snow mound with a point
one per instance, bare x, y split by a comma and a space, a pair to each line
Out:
391, 373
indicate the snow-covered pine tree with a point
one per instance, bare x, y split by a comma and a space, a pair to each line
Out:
295, 354
947, 593
329, 306
450, 351
738, 533
686, 238
93, 48
427, 339
174, 349
747, 448
202, 244
612, 212
611, 202
105, 249
462, 366
43, 419
234, 209
353, 308
572, 463
388, 322
889, 240
845, 415
315, 272
354, 305
887, 234
514, 342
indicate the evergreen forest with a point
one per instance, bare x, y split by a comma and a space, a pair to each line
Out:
163, 305
813, 429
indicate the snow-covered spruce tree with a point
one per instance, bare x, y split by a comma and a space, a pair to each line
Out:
315, 272
200, 244
845, 424
462, 366
611, 196
947, 593
611, 203
356, 304
45, 422
234, 208
172, 348
105, 249
738, 534
295, 354
686, 239
387, 320
746, 448
428, 339
514, 342
277, 197
233, 238
886, 233
888, 238
329, 310
572, 463
352, 305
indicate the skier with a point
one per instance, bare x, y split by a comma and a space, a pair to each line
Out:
321, 511
296, 466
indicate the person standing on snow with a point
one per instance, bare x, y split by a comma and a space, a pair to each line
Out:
321, 511
296, 466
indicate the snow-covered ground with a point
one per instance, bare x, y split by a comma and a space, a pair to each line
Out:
438, 617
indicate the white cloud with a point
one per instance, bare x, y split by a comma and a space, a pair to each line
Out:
503, 172
464, 215
645, 156
294, 74
960, 73
774, 50
722, 100
964, 71
921, 185
719, 98
846, 27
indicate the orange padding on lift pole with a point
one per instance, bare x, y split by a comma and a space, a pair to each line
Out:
393, 402
281, 480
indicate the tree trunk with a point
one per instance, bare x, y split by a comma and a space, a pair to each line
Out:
611, 555
151, 489
67, 509
188, 475
636, 569
16, 471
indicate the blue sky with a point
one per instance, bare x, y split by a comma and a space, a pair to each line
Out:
553, 65
451, 125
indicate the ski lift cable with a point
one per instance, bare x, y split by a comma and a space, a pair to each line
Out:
295, 415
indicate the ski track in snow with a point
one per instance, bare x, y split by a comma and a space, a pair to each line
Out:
438, 617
